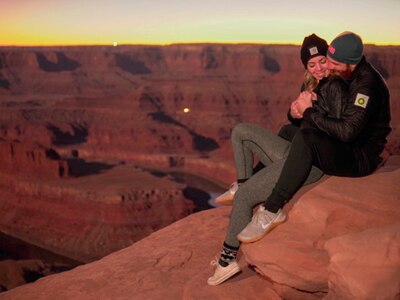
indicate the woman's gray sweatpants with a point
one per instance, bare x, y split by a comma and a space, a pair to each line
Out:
249, 140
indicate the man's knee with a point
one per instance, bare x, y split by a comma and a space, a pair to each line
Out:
288, 131
312, 136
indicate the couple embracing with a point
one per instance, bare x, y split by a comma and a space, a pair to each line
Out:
338, 126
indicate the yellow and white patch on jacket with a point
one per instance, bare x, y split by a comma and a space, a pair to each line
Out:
361, 100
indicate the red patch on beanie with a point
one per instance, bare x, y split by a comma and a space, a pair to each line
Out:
331, 49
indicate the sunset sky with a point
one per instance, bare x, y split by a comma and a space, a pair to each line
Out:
88, 22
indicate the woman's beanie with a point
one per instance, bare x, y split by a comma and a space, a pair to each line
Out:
346, 48
312, 46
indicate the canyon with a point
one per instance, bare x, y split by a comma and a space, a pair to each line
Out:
93, 139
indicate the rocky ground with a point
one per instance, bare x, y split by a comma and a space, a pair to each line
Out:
341, 241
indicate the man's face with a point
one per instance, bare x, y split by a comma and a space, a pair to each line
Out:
339, 69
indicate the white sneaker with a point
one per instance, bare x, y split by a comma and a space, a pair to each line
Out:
227, 197
223, 273
263, 221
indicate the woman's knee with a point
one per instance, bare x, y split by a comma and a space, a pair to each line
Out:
241, 130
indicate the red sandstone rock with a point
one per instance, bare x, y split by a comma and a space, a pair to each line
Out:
172, 263
31, 159
294, 253
365, 265
87, 217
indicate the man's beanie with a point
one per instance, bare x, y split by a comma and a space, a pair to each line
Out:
312, 46
346, 48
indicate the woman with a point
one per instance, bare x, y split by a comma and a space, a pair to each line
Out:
248, 140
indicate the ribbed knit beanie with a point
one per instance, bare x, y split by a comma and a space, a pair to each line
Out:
312, 46
346, 48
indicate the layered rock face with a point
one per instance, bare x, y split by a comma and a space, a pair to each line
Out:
122, 101
85, 133
88, 217
341, 241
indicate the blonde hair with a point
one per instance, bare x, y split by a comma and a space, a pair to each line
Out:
310, 83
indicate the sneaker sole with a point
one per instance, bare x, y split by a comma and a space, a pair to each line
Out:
255, 239
225, 277
228, 200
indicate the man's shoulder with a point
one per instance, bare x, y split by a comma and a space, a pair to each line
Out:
366, 69
366, 74
368, 83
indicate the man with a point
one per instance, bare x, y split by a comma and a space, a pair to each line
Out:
348, 146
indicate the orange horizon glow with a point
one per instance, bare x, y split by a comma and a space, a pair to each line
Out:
46, 44
166, 45
32, 23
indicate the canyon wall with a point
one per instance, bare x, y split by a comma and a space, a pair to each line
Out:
82, 128
127, 100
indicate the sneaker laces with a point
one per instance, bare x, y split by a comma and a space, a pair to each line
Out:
214, 262
264, 217
233, 187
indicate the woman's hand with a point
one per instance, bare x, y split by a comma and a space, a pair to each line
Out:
294, 111
303, 101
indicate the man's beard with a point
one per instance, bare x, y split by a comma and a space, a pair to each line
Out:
346, 74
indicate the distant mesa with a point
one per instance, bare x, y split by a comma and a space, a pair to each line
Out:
61, 138
209, 59
200, 143
63, 63
164, 118
79, 167
270, 64
4, 83
131, 65
148, 100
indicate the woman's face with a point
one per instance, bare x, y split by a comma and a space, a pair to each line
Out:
318, 67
